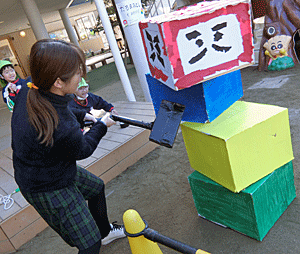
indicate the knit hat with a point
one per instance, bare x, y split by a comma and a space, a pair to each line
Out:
4, 63
82, 83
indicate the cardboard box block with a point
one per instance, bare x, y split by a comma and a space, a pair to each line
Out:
254, 210
200, 42
241, 146
203, 102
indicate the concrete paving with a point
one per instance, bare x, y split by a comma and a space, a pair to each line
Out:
157, 187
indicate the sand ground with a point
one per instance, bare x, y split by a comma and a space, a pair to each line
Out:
157, 186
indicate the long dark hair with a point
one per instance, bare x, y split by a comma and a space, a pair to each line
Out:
49, 60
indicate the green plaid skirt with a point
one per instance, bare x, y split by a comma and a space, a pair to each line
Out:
66, 210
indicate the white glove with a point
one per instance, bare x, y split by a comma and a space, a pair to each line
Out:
115, 112
107, 120
12, 87
89, 117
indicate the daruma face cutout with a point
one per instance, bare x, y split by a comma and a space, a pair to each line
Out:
198, 43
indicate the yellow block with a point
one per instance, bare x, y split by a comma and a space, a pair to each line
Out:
201, 252
245, 143
139, 245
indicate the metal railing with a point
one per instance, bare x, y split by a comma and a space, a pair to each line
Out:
159, 7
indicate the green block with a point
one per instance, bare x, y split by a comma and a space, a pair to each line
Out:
254, 210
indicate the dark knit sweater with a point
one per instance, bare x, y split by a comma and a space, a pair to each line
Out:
93, 101
39, 168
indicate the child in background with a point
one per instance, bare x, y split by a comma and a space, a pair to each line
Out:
90, 102
13, 83
47, 141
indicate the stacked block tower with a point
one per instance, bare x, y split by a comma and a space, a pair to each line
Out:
241, 151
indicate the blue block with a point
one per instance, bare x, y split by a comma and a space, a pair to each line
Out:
204, 102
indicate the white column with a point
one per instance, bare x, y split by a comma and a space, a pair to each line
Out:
115, 49
136, 47
69, 28
35, 19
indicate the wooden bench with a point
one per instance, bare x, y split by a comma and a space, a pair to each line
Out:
119, 149
92, 61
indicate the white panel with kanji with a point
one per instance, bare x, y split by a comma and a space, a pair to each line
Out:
209, 43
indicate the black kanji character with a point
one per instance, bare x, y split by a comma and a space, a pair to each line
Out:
199, 42
221, 49
218, 36
154, 44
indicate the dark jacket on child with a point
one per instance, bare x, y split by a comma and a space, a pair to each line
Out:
93, 101
41, 168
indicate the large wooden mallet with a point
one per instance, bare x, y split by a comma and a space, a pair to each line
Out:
164, 128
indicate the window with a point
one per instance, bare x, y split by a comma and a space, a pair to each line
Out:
84, 26
60, 35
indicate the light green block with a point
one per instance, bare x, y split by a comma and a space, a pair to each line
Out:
254, 210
